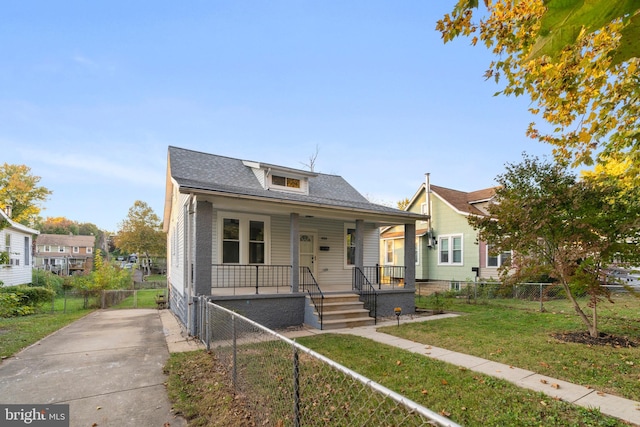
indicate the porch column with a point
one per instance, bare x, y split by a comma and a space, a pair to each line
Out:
359, 261
410, 255
294, 225
203, 236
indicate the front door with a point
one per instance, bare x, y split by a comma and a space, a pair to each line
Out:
308, 251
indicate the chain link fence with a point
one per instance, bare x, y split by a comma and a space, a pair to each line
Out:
525, 295
287, 384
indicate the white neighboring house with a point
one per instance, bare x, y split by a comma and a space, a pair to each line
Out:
16, 241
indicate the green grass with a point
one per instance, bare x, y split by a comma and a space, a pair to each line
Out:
466, 397
512, 332
17, 333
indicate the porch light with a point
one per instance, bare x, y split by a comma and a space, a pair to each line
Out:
398, 311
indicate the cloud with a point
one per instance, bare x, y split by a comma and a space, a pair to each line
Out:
84, 61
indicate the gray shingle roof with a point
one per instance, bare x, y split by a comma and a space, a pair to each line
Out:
210, 172
66, 240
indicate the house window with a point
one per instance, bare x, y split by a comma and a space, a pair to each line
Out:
417, 251
231, 241
27, 250
388, 251
89, 250
47, 248
495, 261
244, 238
284, 181
350, 251
450, 250
60, 249
455, 286
7, 242
256, 242
76, 249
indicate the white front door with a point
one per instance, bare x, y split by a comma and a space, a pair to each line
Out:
308, 251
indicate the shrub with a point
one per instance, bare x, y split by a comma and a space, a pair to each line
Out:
31, 296
11, 305
48, 280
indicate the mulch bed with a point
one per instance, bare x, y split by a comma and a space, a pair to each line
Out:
602, 339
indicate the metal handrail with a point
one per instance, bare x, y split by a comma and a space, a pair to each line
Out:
388, 275
367, 292
309, 284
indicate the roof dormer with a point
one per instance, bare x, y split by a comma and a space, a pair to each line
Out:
279, 178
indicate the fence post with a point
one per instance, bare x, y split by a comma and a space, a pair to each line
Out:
235, 353
541, 307
296, 388
257, 282
207, 326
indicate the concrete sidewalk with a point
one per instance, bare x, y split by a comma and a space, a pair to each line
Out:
108, 366
624, 409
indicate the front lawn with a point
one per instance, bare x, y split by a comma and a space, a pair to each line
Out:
516, 334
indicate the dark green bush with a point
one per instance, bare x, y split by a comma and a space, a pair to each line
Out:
31, 296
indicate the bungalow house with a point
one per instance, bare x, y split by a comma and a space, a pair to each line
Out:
280, 245
64, 254
447, 247
15, 251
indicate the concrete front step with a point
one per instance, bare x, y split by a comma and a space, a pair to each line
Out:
344, 311
348, 323
340, 306
359, 313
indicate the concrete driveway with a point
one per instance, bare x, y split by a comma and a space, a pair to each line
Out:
107, 366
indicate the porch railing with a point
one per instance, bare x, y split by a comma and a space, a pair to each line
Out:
388, 275
251, 276
367, 292
309, 284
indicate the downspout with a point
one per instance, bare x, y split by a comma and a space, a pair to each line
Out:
188, 273
427, 190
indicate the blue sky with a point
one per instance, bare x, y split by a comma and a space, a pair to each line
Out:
93, 93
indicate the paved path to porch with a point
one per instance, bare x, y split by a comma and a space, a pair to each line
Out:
624, 409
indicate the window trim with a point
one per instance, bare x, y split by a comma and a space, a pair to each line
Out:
302, 189
345, 244
244, 235
498, 257
386, 252
450, 239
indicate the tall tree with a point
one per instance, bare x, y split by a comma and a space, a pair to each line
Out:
141, 232
58, 225
578, 62
557, 225
20, 190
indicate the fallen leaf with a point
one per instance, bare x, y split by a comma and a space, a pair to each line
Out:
428, 347
556, 386
600, 393
543, 403
545, 364
98, 408
424, 391
445, 413
544, 381
398, 362
462, 368
444, 382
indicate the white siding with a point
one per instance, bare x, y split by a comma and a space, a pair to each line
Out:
16, 274
176, 243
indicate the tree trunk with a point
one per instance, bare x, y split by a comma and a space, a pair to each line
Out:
593, 331
577, 308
